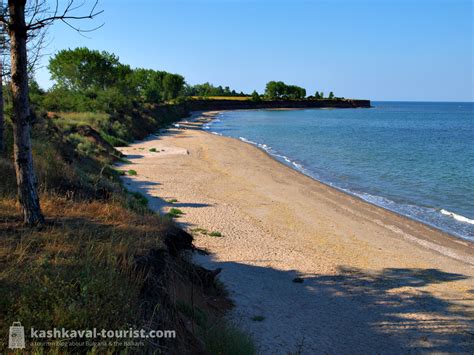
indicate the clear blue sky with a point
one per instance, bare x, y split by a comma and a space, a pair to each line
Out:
375, 49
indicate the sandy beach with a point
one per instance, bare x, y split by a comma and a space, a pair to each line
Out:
310, 269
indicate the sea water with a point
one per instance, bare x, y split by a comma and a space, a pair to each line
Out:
414, 158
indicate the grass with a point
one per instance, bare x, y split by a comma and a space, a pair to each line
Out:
93, 119
142, 200
223, 338
200, 230
153, 150
174, 212
173, 200
233, 98
78, 271
215, 234
258, 318
132, 172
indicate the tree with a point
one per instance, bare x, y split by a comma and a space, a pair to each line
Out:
37, 40
255, 96
22, 116
2, 116
279, 90
208, 89
173, 85
275, 89
331, 95
84, 69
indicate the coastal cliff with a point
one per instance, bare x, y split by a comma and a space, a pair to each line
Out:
224, 104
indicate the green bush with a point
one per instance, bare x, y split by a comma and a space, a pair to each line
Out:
174, 212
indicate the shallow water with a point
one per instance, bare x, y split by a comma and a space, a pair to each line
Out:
416, 159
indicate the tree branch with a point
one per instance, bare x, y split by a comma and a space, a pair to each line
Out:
67, 16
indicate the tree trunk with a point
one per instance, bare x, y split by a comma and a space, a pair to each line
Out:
21, 116
2, 117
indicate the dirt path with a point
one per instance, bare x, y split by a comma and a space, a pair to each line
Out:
373, 281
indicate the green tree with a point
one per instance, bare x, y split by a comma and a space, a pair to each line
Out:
84, 69
255, 96
148, 84
279, 90
331, 95
173, 86
208, 89
275, 89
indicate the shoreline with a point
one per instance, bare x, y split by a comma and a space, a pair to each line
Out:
315, 264
211, 116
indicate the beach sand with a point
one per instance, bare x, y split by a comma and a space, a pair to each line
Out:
373, 281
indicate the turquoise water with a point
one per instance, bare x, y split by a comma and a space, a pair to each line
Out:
416, 159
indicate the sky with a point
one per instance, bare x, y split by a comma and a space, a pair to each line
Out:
407, 50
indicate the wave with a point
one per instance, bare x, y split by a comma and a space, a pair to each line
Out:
457, 217
277, 155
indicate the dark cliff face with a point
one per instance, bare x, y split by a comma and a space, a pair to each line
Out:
198, 105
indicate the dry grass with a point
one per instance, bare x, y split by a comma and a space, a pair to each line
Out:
78, 271
233, 98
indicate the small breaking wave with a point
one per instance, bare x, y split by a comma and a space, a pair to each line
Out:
278, 156
457, 217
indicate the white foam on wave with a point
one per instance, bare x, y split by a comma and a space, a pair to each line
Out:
243, 139
272, 152
457, 217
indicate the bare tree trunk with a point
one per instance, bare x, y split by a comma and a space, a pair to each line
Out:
21, 116
2, 117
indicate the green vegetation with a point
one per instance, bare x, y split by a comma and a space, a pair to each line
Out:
232, 98
279, 90
208, 90
200, 230
90, 80
319, 95
219, 337
222, 338
256, 97
98, 84
142, 200
173, 200
132, 172
215, 234
174, 213
153, 150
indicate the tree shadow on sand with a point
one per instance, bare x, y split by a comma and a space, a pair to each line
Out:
351, 311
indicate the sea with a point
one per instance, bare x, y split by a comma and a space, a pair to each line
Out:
413, 158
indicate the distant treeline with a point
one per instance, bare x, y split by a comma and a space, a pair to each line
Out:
92, 80
207, 89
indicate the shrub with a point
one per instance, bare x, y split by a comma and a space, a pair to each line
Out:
174, 212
